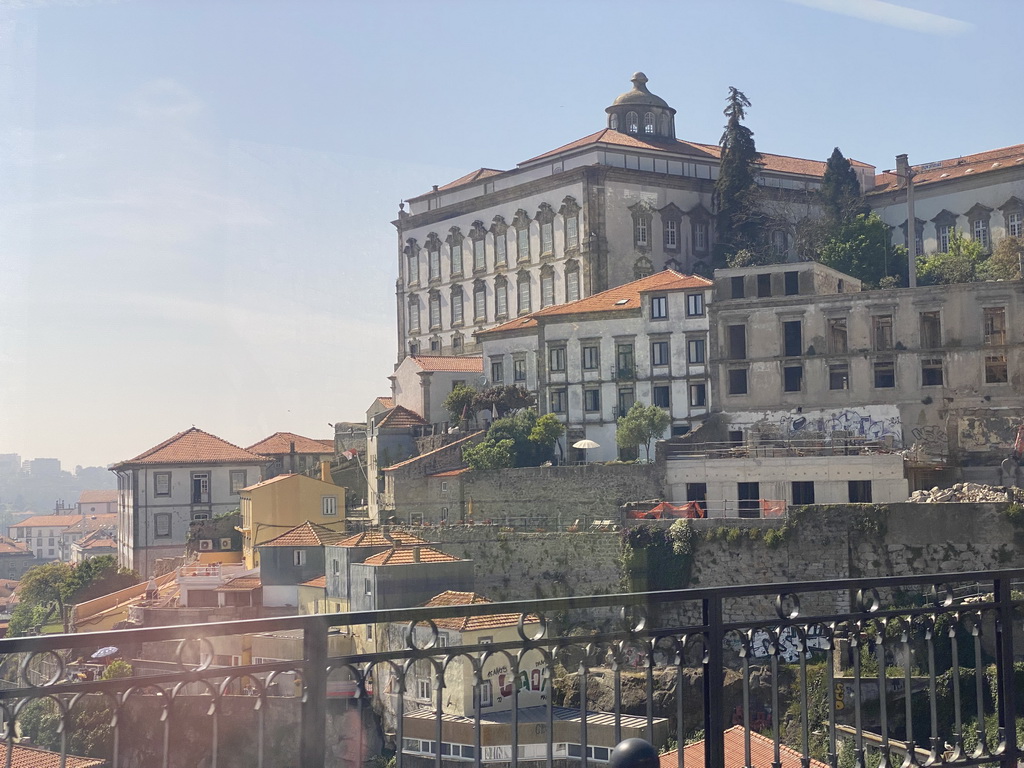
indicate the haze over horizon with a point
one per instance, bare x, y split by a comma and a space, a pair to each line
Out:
196, 198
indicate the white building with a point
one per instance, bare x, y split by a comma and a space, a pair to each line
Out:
189, 477
588, 361
622, 203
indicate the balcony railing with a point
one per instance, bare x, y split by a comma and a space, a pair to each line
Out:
830, 668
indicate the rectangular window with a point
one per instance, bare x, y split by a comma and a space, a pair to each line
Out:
547, 239
700, 237
837, 338
931, 330
792, 338
792, 283
859, 491
592, 400
641, 231
698, 395
572, 285
980, 231
414, 316
434, 263
839, 376
237, 480
298, 557
661, 396
738, 381
793, 378
695, 305
572, 232
737, 287
591, 357
518, 370
556, 359
931, 372
659, 307
479, 304
995, 326
162, 524
558, 400
500, 299
524, 295
457, 315
697, 492
881, 336
659, 353
329, 505
547, 290
672, 234
626, 400
367, 587
162, 483
523, 243
995, 369
200, 488
435, 311
803, 491
485, 693
497, 371
1015, 224
456, 253
479, 255
624, 360
885, 374
423, 691
695, 351
737, 342
500, 252
413, 266
943, 233
749, 497
764, 286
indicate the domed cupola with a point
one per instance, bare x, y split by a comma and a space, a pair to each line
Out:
642, 114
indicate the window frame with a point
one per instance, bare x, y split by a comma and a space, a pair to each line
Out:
698, 394
559, 399
329, 506
557, 358
695, 304
592, 400
661, 355
590, 357
237, 480
659, 307
696, 351
163, 520
157, 477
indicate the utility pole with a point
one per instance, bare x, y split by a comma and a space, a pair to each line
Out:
906, 174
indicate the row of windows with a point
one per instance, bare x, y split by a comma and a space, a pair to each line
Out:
978, 225
671, 229
521, 243
200, 484
801, 491
504, 753
523, 299
790, 285
661, 396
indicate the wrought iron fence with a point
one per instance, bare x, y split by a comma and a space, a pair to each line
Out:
864, 668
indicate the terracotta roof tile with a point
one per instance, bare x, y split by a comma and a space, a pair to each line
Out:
401, 417
762, 752
471, 623
281, 442
306, 535
469, 178
621, 298
469, 364
955, 168
240, 584
320, 582
422, 456
450, 472
52, 521
194, 446
376, 539
387, 402
94, 522
99, 539
407, 556
13, 547
34, 757
97, 497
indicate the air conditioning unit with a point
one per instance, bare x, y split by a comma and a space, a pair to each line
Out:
225, 543
206, 545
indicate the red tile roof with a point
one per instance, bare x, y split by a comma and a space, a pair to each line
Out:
34, 757
469, 178
97, 497
100, 539
431, 453
319, 582
469, 364
281, 442
13, 547
194, 446
240, 584
621, 298
93, 522
471, 623
51, 521
306, 535
401, 417
387, 402
450, 472
762, 752
955, 168
408, 556
376, 539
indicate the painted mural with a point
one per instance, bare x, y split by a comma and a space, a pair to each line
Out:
872, 422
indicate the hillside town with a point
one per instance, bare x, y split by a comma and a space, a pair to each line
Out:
638, 472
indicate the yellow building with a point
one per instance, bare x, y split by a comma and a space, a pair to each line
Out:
274, 506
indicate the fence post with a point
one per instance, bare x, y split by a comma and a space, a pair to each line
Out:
714, 680
314, 703
1007, 704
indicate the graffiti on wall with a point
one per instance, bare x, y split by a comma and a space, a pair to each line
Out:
869, 422
932, 439
989, 433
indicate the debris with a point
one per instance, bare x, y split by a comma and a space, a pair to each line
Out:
971, 493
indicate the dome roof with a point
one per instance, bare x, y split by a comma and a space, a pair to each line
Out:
640, 95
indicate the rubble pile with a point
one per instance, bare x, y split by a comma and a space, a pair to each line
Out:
971, 493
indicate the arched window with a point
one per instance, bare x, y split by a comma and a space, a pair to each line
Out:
649, 123
632, 122
613, 122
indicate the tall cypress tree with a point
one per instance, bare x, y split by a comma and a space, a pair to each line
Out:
841, 198
737, 214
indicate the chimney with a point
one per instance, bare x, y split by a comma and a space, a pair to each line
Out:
902, 168
415, 554
325, 472
291, 456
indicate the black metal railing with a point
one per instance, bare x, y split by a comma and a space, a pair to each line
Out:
898, 669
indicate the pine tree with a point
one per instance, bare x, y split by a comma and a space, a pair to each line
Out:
737, 214
841, 198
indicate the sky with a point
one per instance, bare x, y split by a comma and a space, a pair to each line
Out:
196, 197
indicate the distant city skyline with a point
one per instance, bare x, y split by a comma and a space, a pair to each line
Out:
196, 198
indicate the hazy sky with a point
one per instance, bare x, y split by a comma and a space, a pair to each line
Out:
195, 197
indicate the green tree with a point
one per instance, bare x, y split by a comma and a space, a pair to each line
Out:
641, 424
1005, 261
95, 577
861, 248
459, 403
117, 669
841, 199
490, 454
520, 440
959, 263
504, 398
738, 217
45, 586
